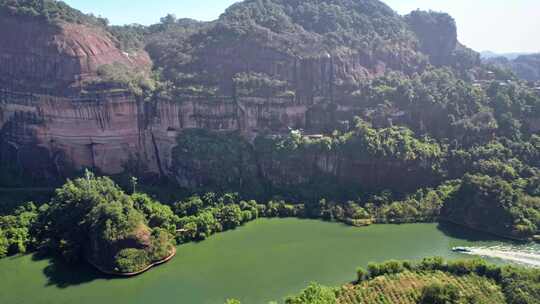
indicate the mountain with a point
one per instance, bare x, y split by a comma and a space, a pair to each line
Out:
293, 57
307, 45
366, 35
301, 99
54, 47
509, 56
525, 67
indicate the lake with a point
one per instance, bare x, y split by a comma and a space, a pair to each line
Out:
265, 260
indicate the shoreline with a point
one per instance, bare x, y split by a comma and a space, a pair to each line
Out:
507, 237
132, 274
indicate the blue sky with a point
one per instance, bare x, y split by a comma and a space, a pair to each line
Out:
494, 25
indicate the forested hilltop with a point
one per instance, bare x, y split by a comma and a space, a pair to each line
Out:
338, 109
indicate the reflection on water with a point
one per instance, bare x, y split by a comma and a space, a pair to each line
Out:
528, 255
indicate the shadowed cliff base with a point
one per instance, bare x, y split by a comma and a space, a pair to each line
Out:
459, 231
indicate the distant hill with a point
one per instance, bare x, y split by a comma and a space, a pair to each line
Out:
509, 56
526, 67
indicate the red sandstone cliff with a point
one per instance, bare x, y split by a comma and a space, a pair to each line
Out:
44, 56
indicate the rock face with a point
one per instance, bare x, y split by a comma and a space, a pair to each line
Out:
108, 132
437, 34
48, 57
43, 138
55, 131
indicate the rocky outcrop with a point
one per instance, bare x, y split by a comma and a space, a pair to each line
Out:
47, 57
436, 32
107, 132
48, 138
311, 78
59, 128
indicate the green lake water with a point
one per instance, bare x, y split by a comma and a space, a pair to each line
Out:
265, 260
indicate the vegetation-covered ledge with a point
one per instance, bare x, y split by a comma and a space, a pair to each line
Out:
135, 273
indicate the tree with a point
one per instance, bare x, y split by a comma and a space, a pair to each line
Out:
168, 20
492, 204
231, 216
3, 244
15, 230
361, 274
93, 219
437, 293
314, 294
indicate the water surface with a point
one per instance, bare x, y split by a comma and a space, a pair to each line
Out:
265, 260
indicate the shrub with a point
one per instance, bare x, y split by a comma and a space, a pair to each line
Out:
3, 244
432, 263
131, 260
389, 267
314, 294
361, 274
438, 293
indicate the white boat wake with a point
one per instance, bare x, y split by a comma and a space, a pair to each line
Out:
528, 256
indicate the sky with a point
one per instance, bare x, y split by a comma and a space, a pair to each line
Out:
501, 26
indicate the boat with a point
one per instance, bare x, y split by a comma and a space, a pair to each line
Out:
461, 249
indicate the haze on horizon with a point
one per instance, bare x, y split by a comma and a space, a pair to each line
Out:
493, 25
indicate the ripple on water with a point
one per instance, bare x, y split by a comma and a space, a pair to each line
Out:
528, 255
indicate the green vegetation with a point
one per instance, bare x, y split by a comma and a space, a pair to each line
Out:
215, 162
314, 294
49, 10
502, 171
423, 287
117, 75
419, 143
525, 66
443, 131
432, 281
261, 85
437, 293
435, 281
92, 219
493, 204
15, 230
437, 35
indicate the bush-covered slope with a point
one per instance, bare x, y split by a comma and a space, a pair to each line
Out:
407, 287
430, 281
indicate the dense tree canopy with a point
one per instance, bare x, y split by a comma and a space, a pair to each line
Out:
92, 218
